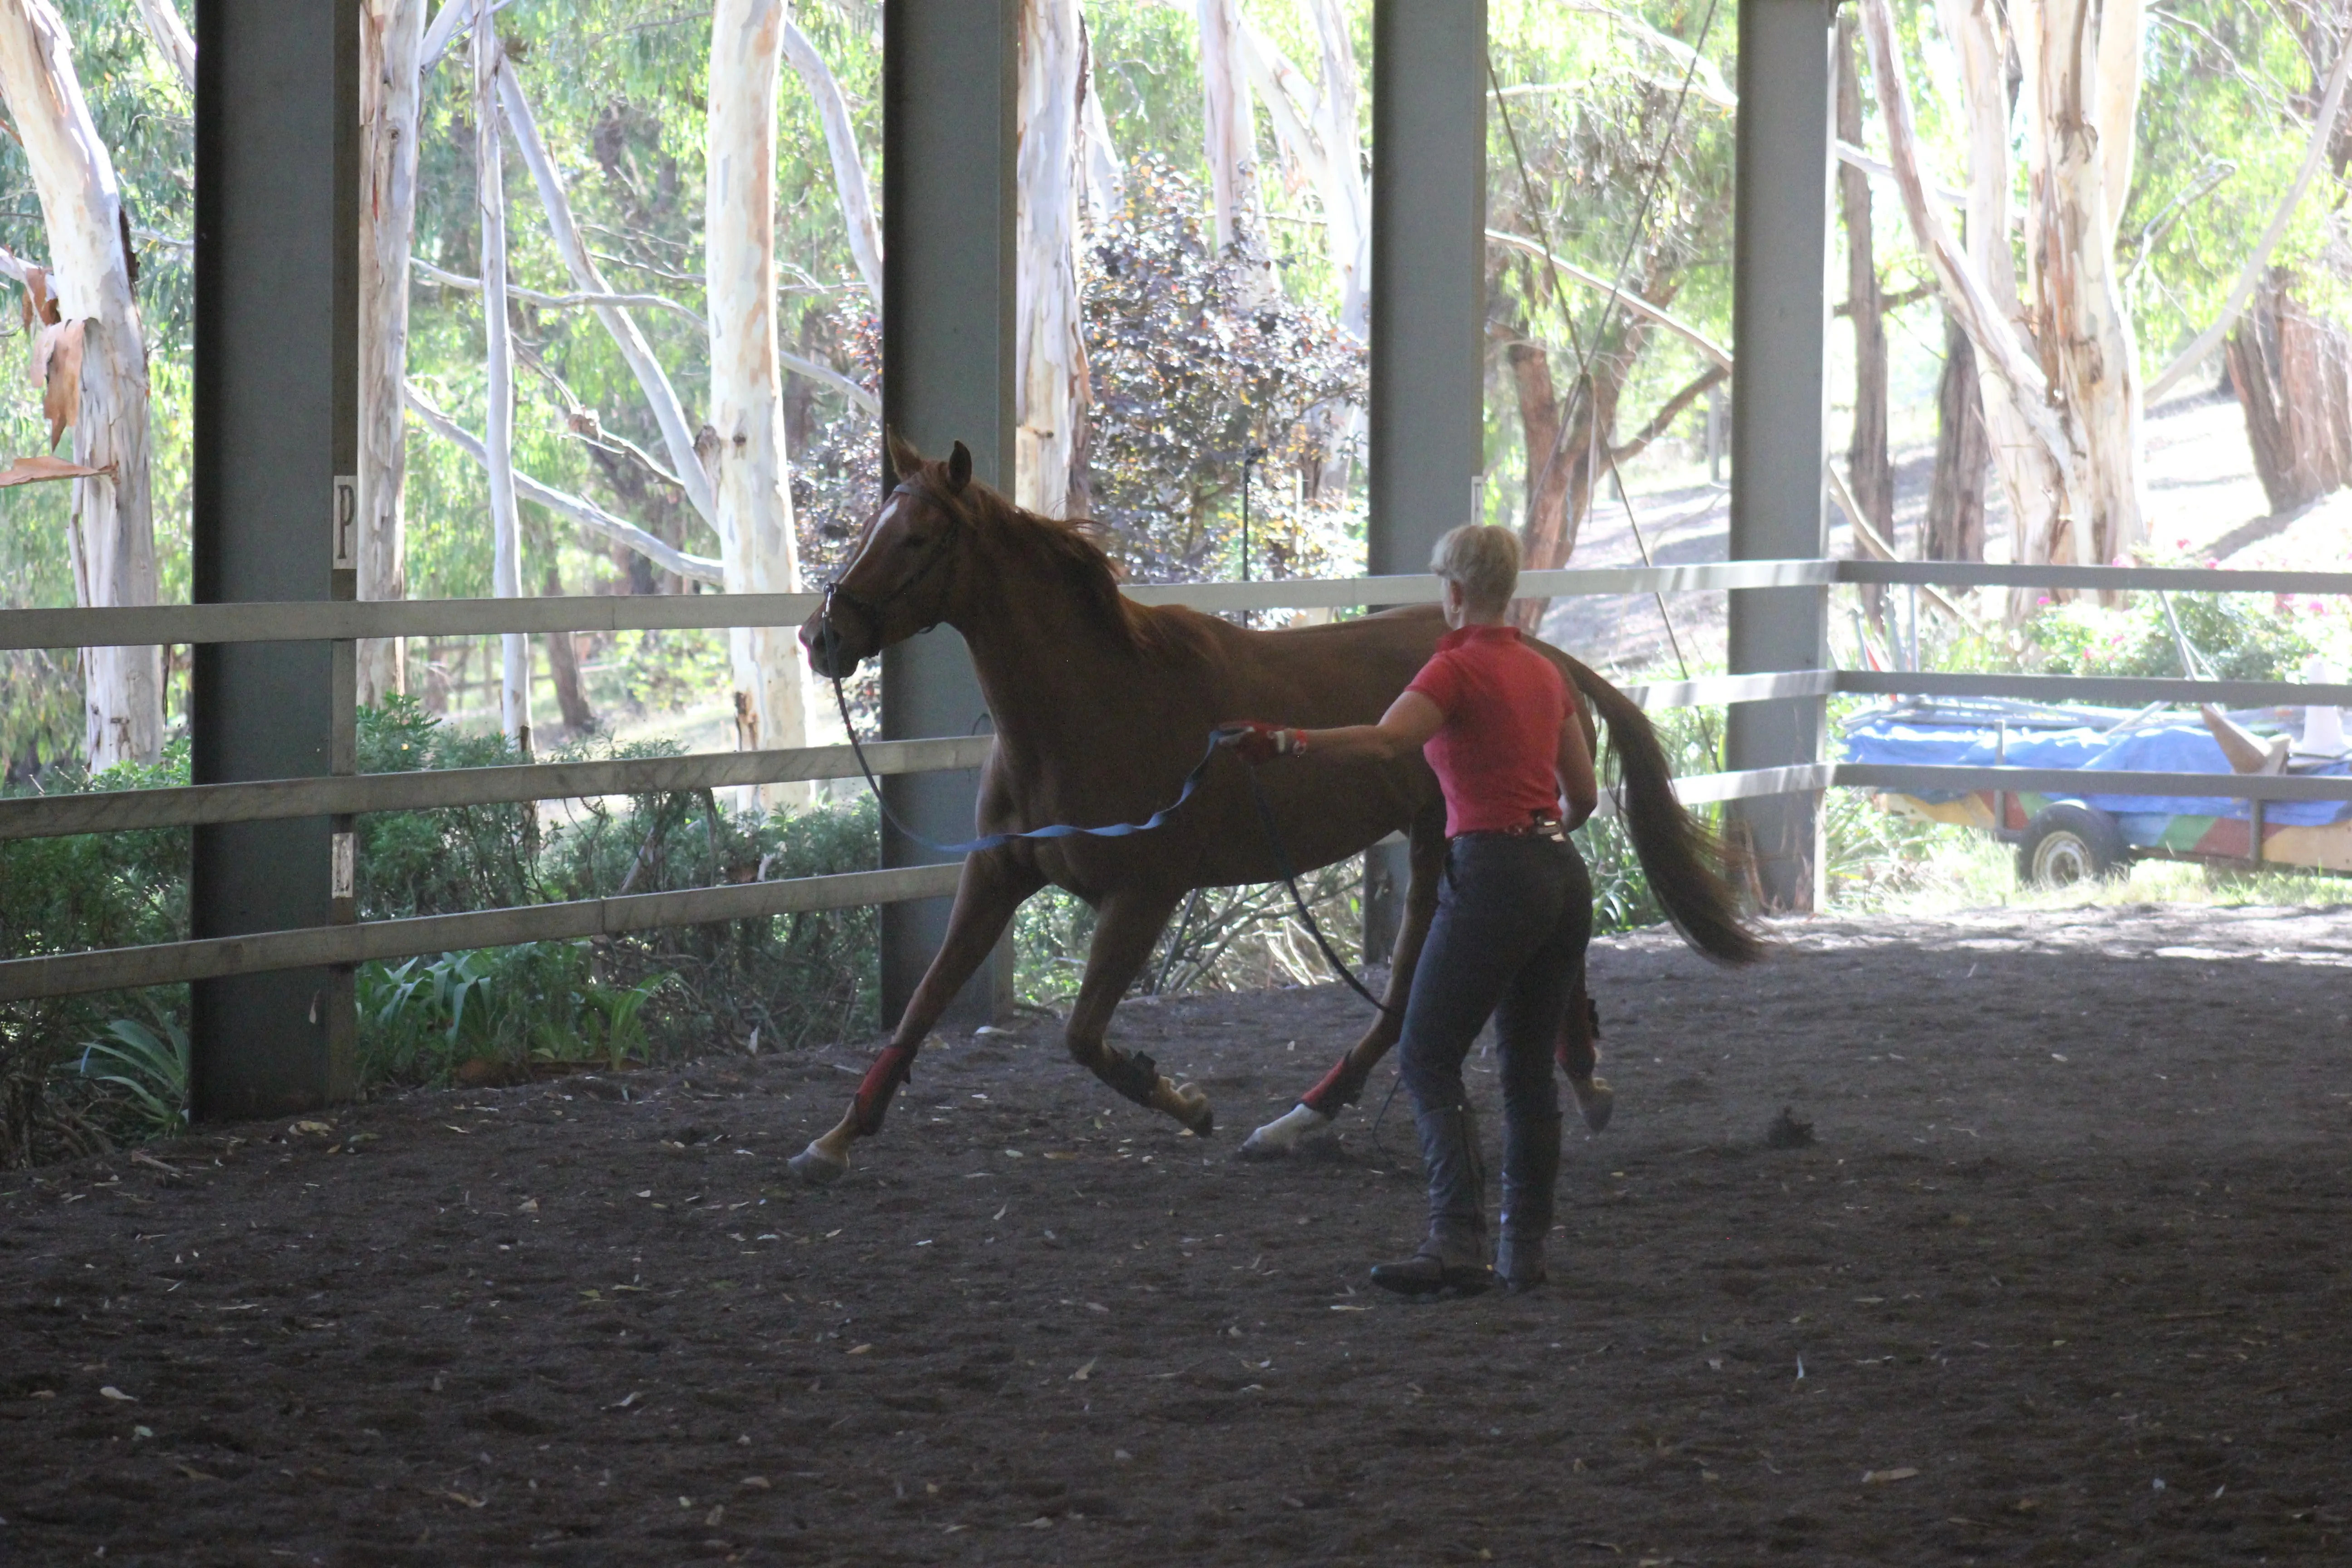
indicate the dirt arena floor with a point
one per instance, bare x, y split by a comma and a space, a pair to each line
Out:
2061, 1279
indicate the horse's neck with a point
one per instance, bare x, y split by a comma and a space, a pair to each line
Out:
1045, 663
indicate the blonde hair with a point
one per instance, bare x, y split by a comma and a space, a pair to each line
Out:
1483, 561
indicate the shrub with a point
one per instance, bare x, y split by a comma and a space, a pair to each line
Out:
2238, 636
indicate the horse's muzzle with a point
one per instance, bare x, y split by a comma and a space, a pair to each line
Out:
833, 649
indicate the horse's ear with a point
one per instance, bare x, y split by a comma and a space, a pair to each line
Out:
958, 468
905, 462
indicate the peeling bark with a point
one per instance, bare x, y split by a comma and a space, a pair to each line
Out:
170, 36
2059, 377
1869, 470
746, 449
392, 32
1955, 525
2292, 371
111, 535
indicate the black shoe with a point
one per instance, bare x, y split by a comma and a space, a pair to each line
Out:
1425, 1274
1452, 1259
1531, 1172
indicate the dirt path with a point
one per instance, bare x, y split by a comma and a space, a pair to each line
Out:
2062, 1280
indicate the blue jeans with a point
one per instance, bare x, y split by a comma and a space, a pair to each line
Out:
1513, 919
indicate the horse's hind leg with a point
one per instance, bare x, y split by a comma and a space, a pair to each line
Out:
993, 885
1578, 1053
1126, 925
1345, 1081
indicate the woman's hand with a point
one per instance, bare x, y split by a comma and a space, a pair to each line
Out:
1259, 743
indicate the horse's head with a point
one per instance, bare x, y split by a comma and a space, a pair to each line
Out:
902, 577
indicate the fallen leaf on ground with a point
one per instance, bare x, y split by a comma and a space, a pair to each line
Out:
1084, 1372
111, 1392
194, 1474
860, 1350
1900, 1473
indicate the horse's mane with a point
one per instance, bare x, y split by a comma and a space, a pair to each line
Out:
1074, 560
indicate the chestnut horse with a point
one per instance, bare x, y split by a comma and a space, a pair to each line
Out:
1102, 705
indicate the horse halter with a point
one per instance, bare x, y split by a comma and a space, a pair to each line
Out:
872, 608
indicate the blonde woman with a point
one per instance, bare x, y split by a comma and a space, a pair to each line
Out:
1499, 727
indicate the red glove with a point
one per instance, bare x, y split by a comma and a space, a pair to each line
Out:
1259, 742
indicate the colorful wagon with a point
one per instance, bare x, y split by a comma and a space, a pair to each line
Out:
2062, 837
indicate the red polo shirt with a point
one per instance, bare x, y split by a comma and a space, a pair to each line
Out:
1504, 704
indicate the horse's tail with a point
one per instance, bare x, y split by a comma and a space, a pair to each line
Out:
1686, 862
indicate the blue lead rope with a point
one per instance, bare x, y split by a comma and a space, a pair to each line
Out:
996, 840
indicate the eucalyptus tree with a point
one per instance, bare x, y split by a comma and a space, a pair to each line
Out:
1610, 186
91, 352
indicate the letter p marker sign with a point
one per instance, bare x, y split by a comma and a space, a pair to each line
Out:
347, 522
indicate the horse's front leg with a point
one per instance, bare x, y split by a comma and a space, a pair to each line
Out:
1126, 926
994, 884
1339, 1087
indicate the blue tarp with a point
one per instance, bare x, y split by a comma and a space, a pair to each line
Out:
2174, 748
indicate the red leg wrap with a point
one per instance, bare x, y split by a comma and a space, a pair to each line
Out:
1339, 1088
894, 1067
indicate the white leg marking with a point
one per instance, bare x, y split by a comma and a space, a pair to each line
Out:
1286, 1134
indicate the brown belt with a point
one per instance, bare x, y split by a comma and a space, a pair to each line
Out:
1550, 828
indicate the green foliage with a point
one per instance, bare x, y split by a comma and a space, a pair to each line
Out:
147, 1063
1188, 377
423, 1019
2236, 636
639, 996
1220, 939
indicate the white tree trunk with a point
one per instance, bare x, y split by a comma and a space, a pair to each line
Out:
111, 535
1317, 131
2083, 329
746, 454
1050, 392
1105, 176
391, 34
1229, 133
171, 38
2059, 378
2025, 456
669, 414
505, 539
848, 165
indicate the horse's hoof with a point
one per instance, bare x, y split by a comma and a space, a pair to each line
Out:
817, 1168
1200, 1118
1286, 1135
1596, 1100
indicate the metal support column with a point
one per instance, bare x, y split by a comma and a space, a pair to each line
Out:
950, 73
1779, 314
1429, 309
277, 420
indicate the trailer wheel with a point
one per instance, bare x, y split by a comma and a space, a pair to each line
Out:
2067, 844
